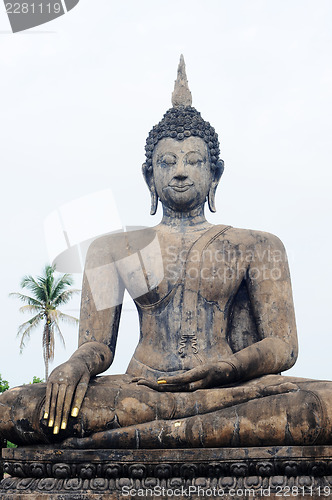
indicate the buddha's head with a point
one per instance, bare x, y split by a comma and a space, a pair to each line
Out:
182, 166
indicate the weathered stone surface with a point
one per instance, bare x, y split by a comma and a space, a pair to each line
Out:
227, 473
181, 95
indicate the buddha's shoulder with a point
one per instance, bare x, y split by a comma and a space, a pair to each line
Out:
121, 244
251, 237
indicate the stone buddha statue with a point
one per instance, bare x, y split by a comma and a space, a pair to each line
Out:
217, 325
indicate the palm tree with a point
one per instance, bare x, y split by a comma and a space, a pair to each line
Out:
47, 294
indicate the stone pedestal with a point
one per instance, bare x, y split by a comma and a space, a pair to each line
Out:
276, 472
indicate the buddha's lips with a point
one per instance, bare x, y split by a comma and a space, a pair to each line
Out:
180, 187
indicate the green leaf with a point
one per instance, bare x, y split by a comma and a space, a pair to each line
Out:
4, 384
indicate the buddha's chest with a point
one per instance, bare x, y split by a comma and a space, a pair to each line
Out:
214, 272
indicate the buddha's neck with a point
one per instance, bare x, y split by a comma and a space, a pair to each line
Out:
184, 221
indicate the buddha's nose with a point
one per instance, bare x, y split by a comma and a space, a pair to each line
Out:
180, 177
181, 173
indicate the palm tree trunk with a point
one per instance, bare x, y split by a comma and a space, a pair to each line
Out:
46, 369
46, 348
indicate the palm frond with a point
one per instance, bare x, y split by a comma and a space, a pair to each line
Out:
46, 281
44, 286
24, 330
64, 297
31, 308
27, 299
66, 318
49, 273
61, 284
52, 315
61, 337
36, 287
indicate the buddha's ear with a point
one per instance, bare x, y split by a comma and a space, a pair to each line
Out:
148, 176
217, 173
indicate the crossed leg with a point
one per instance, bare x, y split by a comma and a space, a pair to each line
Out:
116, 413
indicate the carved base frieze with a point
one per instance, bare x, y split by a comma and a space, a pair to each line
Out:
276, 472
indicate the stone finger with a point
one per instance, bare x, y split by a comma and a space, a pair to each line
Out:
54, 398
199, 384
79, 395
164, 387
280, 388
48, 401
59, 408
184, 378
66, 406
149, 383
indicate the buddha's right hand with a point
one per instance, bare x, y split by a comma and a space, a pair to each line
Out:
202, 377
66, 388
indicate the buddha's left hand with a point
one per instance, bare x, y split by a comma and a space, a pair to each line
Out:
201, 377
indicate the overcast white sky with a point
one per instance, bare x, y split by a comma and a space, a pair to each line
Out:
80, 94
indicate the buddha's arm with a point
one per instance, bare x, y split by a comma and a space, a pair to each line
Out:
102, 294
270, 293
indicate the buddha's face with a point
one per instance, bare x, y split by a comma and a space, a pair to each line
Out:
182, 172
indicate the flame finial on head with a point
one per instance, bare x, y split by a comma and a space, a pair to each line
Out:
181, 94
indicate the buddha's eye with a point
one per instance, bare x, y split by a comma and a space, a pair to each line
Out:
167, 160
194, 159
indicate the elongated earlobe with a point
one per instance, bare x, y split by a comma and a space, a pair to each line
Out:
154, 203
219, 170
212, 198
148, 176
